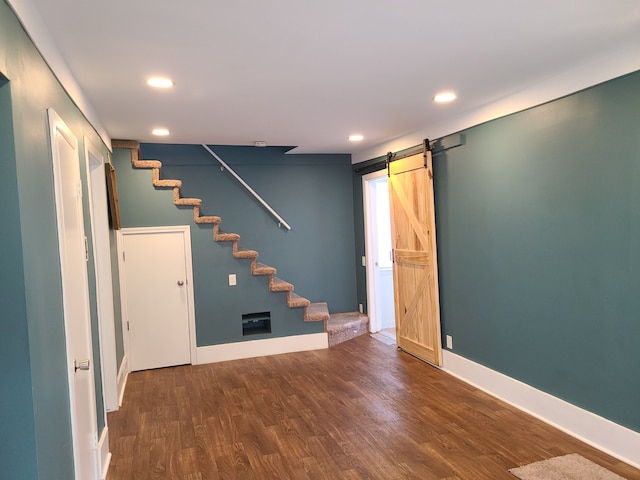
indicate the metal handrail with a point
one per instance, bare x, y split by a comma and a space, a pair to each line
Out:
281, 221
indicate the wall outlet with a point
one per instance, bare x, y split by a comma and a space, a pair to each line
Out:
361, 308
232, 280
449, 342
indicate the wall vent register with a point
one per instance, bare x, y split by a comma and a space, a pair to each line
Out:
255, 323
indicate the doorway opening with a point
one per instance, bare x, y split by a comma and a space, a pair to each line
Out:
378, 254
102, 258
75, 296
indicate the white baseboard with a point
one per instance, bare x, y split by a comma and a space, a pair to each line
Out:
123, 374
261, 348
605, 435
104, 455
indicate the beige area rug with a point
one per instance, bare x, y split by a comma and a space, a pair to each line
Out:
566, 467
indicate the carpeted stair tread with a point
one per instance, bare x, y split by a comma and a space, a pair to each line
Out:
188, 202
296, 301
338, 321
191, 202
167, 182
262, 269
245, 254
317, 312
204, 219
227, 237
279, 285
145, 163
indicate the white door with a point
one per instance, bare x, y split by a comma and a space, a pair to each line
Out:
378, 252
157, 295
75, 296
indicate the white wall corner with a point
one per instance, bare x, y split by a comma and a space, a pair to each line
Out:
261, 348
613, 439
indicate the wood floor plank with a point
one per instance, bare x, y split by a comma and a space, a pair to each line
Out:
325, 414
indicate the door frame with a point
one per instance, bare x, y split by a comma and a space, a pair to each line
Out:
96, 185
58, 128
186, 235
370, 245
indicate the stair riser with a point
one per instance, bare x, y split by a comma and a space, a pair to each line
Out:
348, 333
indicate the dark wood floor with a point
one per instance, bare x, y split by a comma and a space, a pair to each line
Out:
360, 410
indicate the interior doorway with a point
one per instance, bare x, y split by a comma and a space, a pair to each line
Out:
97, 189
156, 279
75, 296
379, 264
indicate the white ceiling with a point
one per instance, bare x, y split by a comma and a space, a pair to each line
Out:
310, 73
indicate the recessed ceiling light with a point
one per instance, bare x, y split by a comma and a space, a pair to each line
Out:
356, 138
160, 82
160, 132
444, 97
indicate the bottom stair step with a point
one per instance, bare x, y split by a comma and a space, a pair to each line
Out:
317, 312
345, 326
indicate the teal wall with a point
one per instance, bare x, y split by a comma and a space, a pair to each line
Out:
313, 194
16, 401
33, 315
538, 229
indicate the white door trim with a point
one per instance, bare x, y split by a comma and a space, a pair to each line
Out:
96, 184
186, 231
57, 129
375, 323
124, 368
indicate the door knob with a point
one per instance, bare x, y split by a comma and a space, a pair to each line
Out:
82, 365
180, 283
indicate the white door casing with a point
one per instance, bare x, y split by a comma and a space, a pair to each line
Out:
75, 296
104, 285
156, 279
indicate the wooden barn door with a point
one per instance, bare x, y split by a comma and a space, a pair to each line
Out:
415, 269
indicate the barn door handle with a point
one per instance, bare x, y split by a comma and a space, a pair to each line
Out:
180, 283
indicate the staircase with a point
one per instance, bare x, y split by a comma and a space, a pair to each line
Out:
339, 327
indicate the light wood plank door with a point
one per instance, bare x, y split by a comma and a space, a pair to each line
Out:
415, 269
